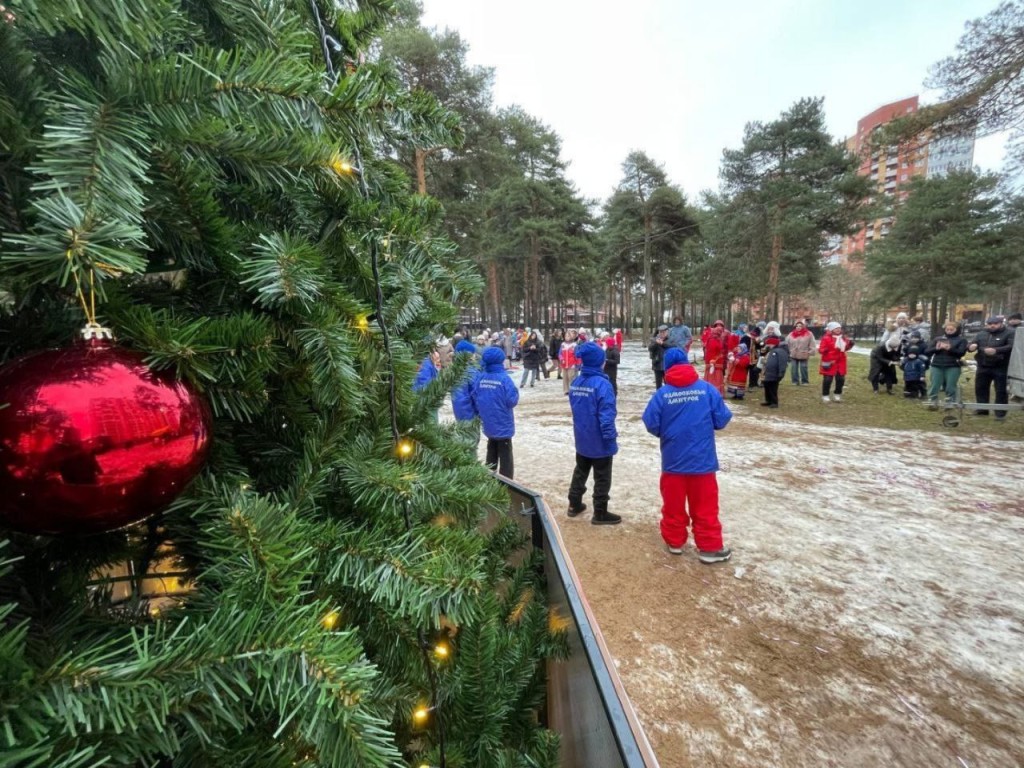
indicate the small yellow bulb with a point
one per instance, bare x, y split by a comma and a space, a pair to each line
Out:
330, 621
404, 448
340, 165
420, 715
362, 323
442, 650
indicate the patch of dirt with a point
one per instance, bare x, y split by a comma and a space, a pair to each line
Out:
871, 614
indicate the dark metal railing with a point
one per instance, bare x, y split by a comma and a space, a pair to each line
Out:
587, 704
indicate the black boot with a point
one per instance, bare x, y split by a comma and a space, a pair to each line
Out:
605, 518
575, 509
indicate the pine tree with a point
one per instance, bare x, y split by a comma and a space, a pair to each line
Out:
209, 166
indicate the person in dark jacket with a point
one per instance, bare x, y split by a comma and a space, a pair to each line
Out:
684, 415
914, 366
776, 361
993, 345
532, 355
612, 358
593, 424
656, 348
946, 354
884, 359
494, 398
554, 346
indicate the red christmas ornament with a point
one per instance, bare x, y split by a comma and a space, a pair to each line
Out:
91, 439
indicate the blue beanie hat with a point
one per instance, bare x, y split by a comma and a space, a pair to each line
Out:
675, 356
591, 355
494, 359
466, 346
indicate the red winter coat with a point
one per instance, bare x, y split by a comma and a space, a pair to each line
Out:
833, 361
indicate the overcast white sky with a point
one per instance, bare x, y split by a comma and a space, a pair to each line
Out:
678, 79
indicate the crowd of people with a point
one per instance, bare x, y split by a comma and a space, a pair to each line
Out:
757, 356
687, 410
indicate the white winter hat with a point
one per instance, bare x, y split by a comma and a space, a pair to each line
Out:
832, 326
772, 327
901, 316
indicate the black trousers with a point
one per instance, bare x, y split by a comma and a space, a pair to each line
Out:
499, 455
613, 377
771, 392
602, 482
659, 378
753, 373
983, 379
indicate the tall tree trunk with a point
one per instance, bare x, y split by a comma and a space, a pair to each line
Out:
492, 290
648, 293
772, 303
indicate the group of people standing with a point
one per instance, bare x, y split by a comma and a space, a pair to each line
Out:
684, 413
757, 356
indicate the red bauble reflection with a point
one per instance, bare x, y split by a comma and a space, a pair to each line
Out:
92, 439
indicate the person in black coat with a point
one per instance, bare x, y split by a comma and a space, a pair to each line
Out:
553, 347
612, 358
532, 352
884, 359
993, 345
656, 348
946, 354
776, 362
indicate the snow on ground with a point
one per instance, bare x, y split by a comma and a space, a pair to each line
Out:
906, 544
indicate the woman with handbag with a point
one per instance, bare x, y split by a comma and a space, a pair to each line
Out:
833, 348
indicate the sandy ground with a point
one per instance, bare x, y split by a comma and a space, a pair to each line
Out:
873, 611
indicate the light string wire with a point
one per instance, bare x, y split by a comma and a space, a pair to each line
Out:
327, 41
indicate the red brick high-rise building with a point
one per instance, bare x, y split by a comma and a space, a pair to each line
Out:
891, 168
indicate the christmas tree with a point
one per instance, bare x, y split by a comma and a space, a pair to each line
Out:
212, 180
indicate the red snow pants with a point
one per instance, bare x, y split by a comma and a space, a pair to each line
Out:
699, 494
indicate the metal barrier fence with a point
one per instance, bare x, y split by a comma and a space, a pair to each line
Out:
586, 702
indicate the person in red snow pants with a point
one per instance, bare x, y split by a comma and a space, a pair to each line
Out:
684, 414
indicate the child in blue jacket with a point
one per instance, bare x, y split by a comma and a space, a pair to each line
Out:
592, 400
494, 397
914, 366
462, 399
685, 413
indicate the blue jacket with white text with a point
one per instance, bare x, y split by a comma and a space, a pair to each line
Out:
684, 413
592, 400
494, 396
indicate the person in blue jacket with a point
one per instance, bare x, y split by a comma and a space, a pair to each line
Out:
428, 371
462, 399
684, 413
494, 397
592, 400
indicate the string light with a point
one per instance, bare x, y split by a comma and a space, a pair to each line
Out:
442, 650
421, 715
405, 448
330, 621
362, 323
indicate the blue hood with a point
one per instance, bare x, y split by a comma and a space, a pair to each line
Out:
675, 356
466, 346
592, 357
494, 359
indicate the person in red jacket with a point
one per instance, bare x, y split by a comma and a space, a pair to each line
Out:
714, 356
736, 372
832, 348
